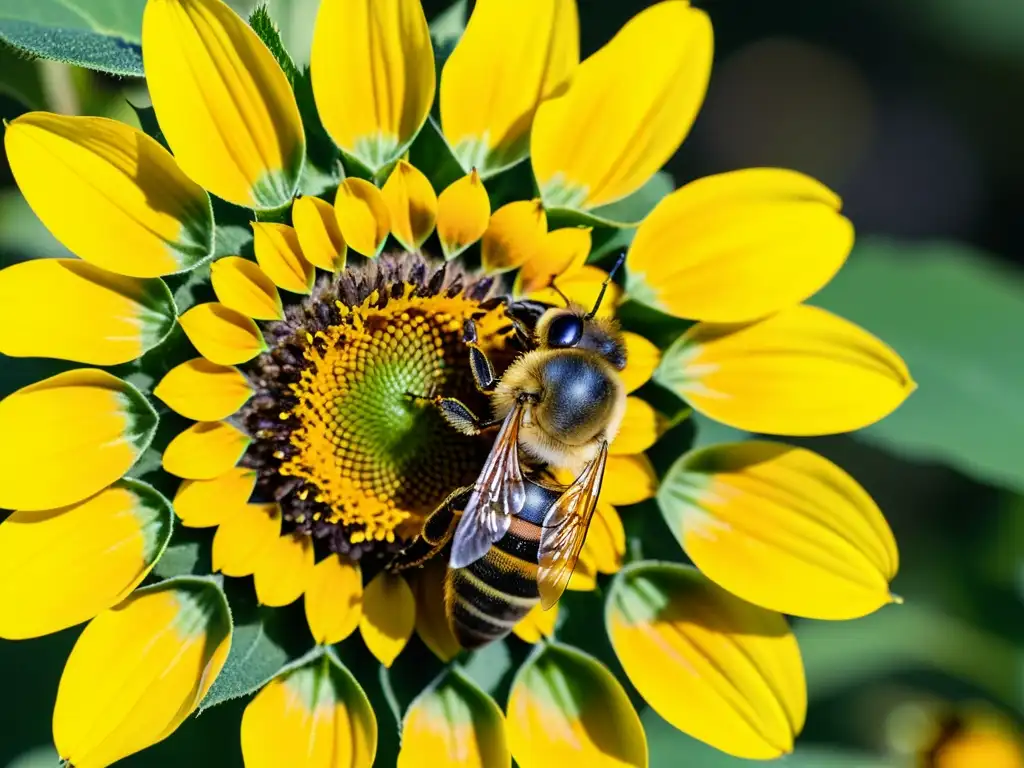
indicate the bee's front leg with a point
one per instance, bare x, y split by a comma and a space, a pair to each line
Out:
460, 417
483, 371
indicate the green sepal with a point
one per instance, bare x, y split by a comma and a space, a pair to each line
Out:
149, 124
625, 214
445, 31
184, 556
431, 154
267, 31
108, 38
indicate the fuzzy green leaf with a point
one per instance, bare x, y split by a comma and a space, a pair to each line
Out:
265, 640
104, 34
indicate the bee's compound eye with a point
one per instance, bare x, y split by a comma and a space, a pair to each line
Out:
565, 331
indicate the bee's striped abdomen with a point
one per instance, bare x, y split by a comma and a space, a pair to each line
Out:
489, 597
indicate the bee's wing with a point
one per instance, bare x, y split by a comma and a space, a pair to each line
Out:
500, 492
565, 528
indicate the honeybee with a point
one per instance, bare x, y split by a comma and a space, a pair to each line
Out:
519, 535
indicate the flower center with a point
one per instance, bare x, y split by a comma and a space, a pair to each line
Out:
346, 439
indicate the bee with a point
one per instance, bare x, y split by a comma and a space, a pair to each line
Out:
558, 406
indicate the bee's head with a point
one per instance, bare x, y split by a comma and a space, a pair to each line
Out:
572, 328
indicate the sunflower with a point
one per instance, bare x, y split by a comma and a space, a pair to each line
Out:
273, 280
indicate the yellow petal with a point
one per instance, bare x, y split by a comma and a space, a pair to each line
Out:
334, 599
431, 617
628, 480
981, 744
222, 335
510, 58
537, 624
566, 708
68, 436
204, 391
280, 257
453, 718
514, 235
721, 670
463, 211
139, 670
284, 570
133, 212
782, 528
642, 357
738, 246
803, 371
389, 615
60, 567
583, 286
205, 450
372, 69
605, 545
628, 109
362, 214
412, 205
560, 251
315, 716
319, 234
584, 575
71, 310
224, 105
243, 534
241, 285
641, 428
203, 503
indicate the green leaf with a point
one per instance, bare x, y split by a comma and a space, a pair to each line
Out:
838, 654
295, 19
24, 235
19, 79
671, 747
265, 640
953, 314
101, 34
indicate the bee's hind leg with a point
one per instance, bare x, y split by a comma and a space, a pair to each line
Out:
483, 371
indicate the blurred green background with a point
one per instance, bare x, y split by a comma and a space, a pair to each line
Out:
912, 111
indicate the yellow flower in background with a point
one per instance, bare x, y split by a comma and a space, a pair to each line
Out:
296, 422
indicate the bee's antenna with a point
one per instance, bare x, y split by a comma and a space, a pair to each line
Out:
558, 290
604, 285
